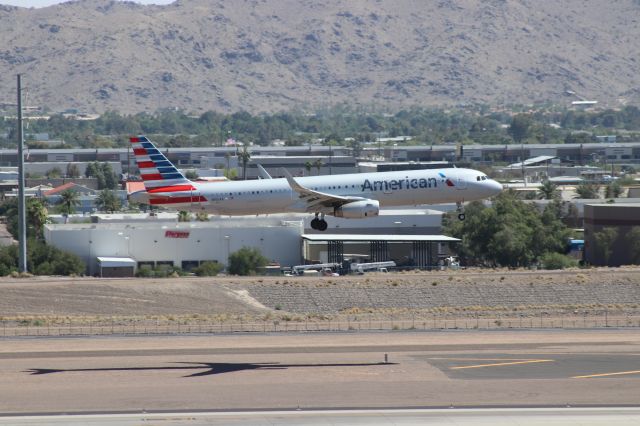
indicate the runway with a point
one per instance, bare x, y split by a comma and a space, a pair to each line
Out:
621, 416
306, 372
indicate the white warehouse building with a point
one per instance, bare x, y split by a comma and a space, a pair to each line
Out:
141, 239
182, 244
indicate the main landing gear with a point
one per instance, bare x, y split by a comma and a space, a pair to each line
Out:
319, 223
460, 210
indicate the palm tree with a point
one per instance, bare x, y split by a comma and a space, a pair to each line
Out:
227, 156
613, 190
184, 216
36, 215
308, 166
68, 202
587, 191
107, 201
202, 217
318, 164
548, 190
245, 156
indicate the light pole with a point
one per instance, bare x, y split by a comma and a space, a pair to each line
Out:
228, 244
22, 223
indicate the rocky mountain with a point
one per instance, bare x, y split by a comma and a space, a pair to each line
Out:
270, 55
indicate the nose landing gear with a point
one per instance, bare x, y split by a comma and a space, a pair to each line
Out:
460, 210
319, 224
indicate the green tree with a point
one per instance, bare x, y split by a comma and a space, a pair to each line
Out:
587, 191
520, 127
72, 170
613, 190
227, 157
68, 202
36, 216
633, 244
54, 173
244, 156
42, 259
202, 217
510, 233
548, 190
208, 269
110, 178
191, 175
103, 173
557, 261
246, 261
307, 166
184, 216
108, 201
604, 241
318, 165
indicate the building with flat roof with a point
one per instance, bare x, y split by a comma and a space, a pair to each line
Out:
159, 239
612, 234
407, 251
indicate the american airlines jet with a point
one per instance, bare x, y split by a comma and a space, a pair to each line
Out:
357, 195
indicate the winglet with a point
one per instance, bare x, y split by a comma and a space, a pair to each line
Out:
263, 174
292, 182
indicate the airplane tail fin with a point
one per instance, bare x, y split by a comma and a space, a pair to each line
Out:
157, 172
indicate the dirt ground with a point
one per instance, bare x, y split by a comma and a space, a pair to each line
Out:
397, 295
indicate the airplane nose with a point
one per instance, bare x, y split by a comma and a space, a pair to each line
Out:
494, 187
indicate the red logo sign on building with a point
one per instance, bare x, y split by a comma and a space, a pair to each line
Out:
176, 234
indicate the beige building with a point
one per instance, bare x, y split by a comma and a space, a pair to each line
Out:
612, 234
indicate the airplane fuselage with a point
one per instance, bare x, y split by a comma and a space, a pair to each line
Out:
400, 188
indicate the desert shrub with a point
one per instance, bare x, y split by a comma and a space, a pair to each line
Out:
557, 261
161, 271
144, 272
208, 269
246, 261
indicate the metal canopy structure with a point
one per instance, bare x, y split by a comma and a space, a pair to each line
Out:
382, 237
116, 266
532, 161
410, 251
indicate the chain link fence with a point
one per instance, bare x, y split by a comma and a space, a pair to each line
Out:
112, 326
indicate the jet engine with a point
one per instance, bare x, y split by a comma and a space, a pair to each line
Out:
358, 209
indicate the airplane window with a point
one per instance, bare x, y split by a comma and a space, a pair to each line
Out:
478, 178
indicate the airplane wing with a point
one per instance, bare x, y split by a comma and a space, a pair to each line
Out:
317, 200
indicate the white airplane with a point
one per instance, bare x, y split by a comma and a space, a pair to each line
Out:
356, 195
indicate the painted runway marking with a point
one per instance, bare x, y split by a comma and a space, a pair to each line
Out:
620, 373
478, 359
499, 364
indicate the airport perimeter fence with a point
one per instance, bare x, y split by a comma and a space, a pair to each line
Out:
105, 326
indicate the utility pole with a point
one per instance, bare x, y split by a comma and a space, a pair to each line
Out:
22, 223
524, 177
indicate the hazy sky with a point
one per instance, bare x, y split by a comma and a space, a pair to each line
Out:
43, 3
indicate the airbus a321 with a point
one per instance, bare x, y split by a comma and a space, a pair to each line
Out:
357, 195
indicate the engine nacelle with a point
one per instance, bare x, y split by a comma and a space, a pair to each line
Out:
358, 209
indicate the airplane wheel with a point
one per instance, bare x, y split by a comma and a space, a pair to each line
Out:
322, 226
461, 216
315, 223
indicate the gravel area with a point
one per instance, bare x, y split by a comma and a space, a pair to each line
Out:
460, 293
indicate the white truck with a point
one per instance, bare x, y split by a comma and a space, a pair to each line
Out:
361, 268
317, 269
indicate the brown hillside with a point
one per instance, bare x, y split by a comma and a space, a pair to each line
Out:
268, 55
